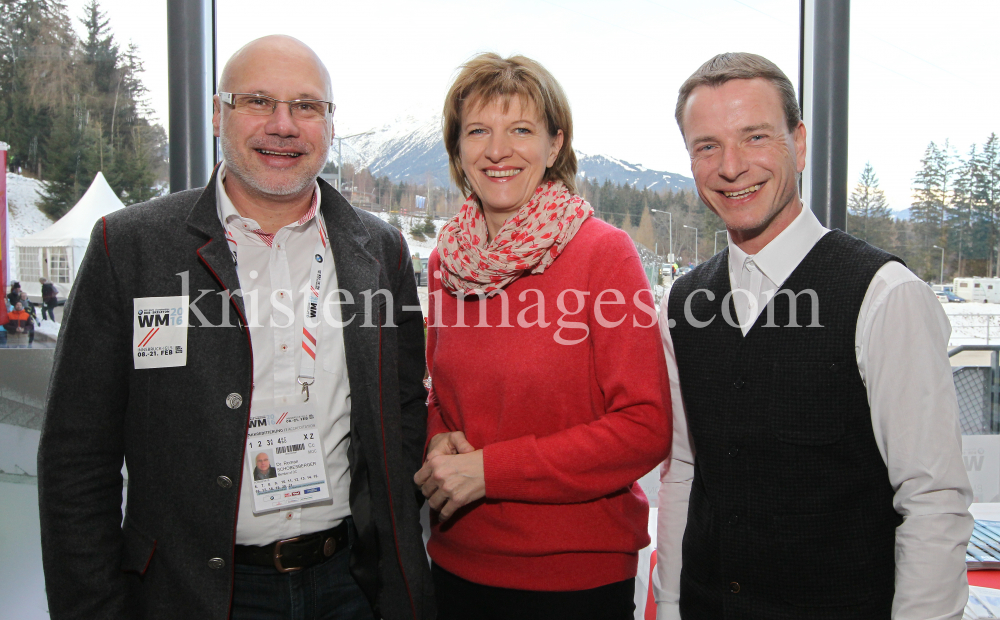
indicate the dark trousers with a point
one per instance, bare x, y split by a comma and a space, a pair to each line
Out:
325, 591
50, 308
458, 599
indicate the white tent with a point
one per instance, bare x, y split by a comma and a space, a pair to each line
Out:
56, 252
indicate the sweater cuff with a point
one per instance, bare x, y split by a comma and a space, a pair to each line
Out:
506, 465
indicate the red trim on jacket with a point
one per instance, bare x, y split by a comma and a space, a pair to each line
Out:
104, 222
388, 483
246, 429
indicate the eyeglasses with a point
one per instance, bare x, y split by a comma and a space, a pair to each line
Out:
260, 105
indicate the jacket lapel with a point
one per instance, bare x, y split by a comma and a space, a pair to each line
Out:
214, 250
357, 271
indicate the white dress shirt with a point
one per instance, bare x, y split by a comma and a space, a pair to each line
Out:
901, 344
274, 275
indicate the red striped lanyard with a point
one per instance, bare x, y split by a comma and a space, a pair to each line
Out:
311, 309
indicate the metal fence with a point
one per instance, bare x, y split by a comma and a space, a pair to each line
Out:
978, 391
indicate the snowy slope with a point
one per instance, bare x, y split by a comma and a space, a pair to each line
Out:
24, 196
24, 218
423, 248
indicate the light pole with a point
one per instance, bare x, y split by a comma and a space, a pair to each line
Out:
695, 243
941, 281
340, 161
715, 250
670, 217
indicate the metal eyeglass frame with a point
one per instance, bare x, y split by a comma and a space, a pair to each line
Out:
230, 98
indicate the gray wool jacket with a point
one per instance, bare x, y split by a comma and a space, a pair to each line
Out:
180, 437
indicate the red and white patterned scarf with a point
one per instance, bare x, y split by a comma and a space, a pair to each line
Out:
528, 242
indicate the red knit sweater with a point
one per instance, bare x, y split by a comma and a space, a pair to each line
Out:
566, 429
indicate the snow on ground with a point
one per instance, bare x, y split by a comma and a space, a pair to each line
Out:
973, 323
24, 218
423, 248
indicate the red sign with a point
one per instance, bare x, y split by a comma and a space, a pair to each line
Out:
4, 263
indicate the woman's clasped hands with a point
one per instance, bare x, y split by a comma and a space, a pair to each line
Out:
452, 475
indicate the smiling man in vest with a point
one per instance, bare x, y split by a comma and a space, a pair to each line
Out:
261, 315
816, 469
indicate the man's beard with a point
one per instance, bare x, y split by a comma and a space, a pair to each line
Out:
238, 164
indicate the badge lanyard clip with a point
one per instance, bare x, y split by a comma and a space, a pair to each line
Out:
305, 382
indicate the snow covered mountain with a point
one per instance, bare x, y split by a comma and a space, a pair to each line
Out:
409, 149
602, 167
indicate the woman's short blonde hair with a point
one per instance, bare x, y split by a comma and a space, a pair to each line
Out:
488, 78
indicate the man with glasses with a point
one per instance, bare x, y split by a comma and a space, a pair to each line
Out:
816, 469
261, 312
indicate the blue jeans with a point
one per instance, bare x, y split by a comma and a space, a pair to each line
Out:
325, 591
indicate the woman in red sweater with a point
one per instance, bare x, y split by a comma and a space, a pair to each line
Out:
549, 394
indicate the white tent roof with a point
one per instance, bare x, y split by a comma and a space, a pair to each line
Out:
73, 229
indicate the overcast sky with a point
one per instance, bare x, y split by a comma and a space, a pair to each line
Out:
921, 70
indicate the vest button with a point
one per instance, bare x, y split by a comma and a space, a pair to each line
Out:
734, 519
739, 383
224, 482
734, 451
216, 563
734, 588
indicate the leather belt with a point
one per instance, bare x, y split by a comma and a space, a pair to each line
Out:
294, 554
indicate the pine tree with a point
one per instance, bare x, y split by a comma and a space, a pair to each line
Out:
136, 145
69, 108
927, 211
73, 161
960, 214
36, 78
869, 216
986, 195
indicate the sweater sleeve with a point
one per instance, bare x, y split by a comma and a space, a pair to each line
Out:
633, 435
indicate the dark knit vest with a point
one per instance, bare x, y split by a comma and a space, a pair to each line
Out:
791, 513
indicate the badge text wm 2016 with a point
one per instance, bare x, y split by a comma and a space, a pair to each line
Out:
161, 317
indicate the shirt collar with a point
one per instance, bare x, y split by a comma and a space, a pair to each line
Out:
227, 210
779, 258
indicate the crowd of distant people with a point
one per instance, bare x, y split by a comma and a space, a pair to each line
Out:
22, 314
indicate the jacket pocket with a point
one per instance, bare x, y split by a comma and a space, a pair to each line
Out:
137, 549
806, 404
826, 559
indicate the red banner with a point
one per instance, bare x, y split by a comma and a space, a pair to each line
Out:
4, 263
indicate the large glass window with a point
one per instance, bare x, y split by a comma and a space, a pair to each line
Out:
620, 63
60, 265
925, 184
29, 263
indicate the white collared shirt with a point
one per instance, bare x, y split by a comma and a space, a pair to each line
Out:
279, 266
901, 344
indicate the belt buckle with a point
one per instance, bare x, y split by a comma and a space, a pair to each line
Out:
277, 555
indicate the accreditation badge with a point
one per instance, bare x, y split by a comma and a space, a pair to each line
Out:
159, 332
285, 458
